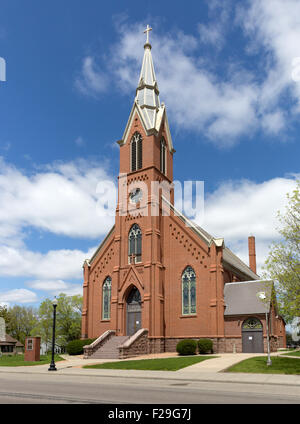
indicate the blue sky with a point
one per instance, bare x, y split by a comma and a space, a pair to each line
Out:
224, 70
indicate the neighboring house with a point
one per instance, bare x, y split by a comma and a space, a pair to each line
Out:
8, 345
11, 346
162, 278
48, 348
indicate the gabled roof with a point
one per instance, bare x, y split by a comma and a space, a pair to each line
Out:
228, 256
231, 259
8, 340
241, 297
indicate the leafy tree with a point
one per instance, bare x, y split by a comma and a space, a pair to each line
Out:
21, 322
68, 320
283, 262
69, 317
45, 322
4, 313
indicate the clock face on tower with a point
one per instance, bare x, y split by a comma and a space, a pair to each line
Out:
135, 195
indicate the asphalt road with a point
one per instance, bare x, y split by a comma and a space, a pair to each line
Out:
17, 388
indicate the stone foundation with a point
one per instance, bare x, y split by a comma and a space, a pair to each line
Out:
141, 345
156, 345
135, 346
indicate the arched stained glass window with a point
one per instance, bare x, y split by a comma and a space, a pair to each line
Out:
188, 281
163, 156
135, 244
136, 152
106, 296
252, 324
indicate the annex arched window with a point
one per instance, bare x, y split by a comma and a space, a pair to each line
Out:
136, 152
188, 287
252, 324
163, 150
106, 296
135, 244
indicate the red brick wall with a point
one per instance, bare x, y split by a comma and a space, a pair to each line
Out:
34, 353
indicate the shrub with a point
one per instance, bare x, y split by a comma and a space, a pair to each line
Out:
186, 347
205, 346
75, 347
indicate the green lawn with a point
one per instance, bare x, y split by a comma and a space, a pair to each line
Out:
18, 360
164, 364
259, 365
294, 353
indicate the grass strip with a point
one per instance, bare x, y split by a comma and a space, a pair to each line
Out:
259, 365
297, 353
160, 364
18, 360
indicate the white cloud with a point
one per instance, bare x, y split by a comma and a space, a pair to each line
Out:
214, 32
210, 34
275, 26
55, 264
239, 209
274, 122
18, 296
48, 285
92, 81
56, 287
61, 198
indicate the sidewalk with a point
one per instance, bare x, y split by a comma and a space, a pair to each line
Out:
209, 370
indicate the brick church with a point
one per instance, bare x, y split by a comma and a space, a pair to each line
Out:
157, 277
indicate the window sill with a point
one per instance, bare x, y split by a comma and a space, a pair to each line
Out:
105, 320
189, 316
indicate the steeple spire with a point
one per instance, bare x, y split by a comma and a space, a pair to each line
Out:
147, 93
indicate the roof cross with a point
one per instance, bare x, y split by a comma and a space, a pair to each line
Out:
147, 30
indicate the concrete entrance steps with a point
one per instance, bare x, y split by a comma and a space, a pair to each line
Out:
110, 349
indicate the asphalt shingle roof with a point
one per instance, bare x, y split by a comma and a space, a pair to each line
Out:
241, 298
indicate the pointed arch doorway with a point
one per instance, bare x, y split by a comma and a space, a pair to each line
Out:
133, 312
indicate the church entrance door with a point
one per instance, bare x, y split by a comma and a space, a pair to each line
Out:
134, 312
252, 336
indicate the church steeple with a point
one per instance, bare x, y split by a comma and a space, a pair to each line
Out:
147, 93
147, 106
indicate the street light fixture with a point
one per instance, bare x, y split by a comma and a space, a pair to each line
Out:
52, 365
262, 296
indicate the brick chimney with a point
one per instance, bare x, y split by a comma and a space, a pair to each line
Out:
252, 254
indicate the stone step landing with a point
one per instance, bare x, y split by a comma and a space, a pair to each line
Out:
110, 349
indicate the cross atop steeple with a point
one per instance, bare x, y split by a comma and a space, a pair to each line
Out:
147, 30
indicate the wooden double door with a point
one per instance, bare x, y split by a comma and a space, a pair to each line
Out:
252, 336
134, 312
252, 341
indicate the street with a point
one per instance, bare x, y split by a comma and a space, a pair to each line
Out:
25, 388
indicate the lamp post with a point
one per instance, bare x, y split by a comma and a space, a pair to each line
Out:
52, 365
262, 296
